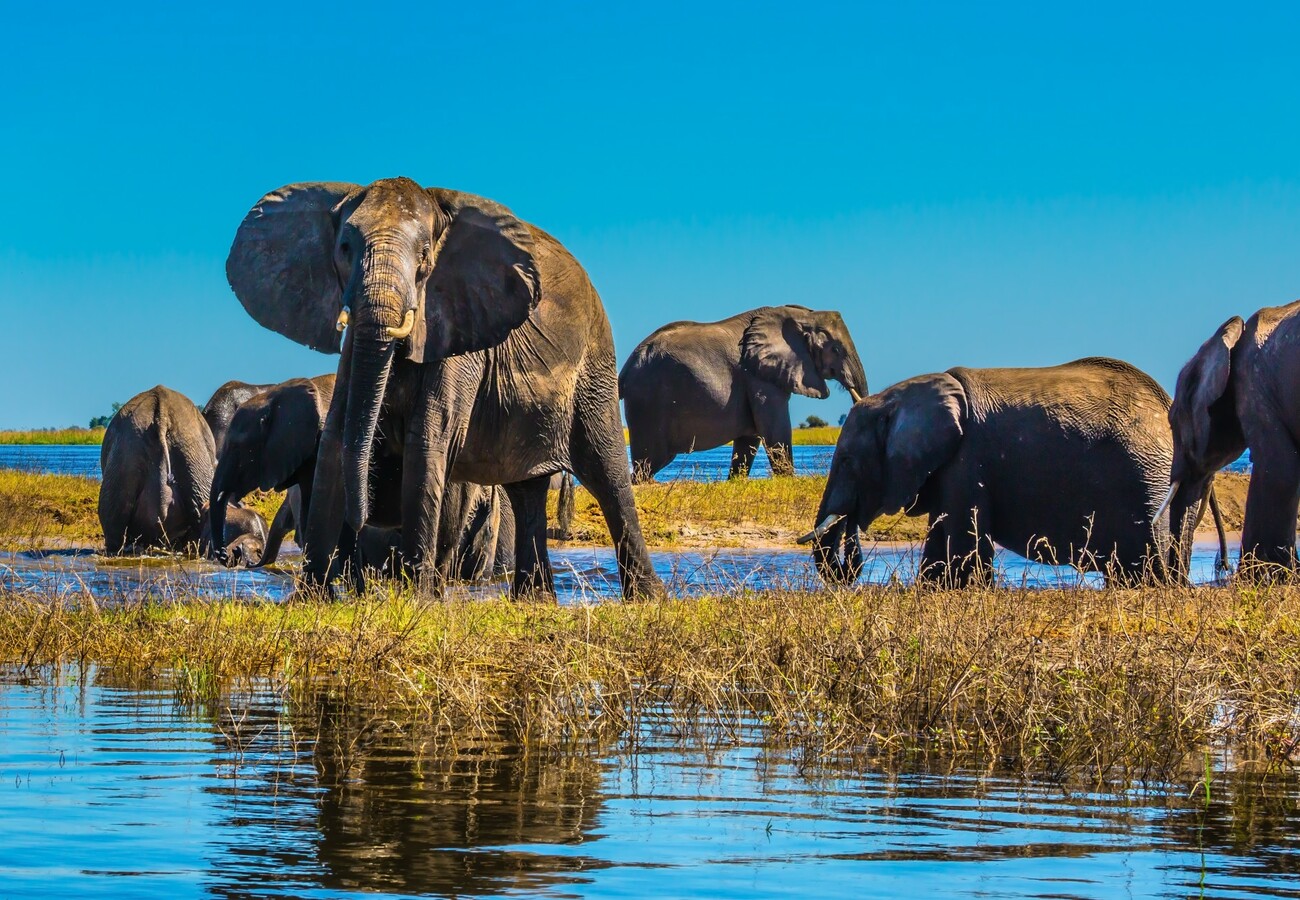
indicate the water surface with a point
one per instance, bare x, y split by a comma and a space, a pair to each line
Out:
110, 790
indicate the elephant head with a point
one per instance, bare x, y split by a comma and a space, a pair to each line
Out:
270, 441
891, 444
243, 536
425, 273
1207, 431
799, 349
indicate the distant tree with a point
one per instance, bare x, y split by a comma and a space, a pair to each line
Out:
814, 422
102, 421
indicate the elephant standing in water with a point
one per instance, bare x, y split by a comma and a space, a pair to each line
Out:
1240, 391
696, 385
1066, 464
477, 338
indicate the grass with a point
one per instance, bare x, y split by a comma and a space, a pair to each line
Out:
816, 437
54, 436
1096, 685
809, 436
43, 510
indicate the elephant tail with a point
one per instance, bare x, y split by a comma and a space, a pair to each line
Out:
564, 510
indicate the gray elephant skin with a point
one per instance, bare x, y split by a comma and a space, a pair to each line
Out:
271, 445
221, 406
1240, 391
1066, 464
697, 385
478, 338
244, 535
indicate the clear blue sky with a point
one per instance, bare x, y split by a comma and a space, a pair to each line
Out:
971, 184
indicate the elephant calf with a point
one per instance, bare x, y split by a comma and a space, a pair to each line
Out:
1066, 464
697, 385
157, 460
221, 406
243, 539
1239, 391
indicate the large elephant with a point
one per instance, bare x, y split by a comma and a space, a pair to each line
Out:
157, 461
1066, 464
697, 385
476, 336
271, 444
221, 406
1238, 392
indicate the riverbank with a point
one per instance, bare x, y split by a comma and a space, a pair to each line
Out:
803, 437
62, 510
72, 436
1078, 683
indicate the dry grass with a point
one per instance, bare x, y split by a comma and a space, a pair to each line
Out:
54, 436
1093, 684
46, 509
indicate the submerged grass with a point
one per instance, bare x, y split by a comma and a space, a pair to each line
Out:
1104, 685
54, 436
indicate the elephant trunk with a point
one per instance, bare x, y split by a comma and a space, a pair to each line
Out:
217, 524
838, 553
855, 376
371, 363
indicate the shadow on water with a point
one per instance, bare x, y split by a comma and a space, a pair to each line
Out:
110, 788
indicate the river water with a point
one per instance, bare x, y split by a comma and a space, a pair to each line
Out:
117, 791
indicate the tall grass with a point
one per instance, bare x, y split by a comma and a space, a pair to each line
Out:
54, 436
1098, 685
39, 509
816, 437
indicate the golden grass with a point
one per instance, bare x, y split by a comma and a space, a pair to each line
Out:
816, 437
54, 436
737, 513
42, 509
1115, 684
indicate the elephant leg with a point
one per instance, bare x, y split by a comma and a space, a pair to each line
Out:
321, 530
600, 469
533, 573
281, 525
956, 552
1269, 533
772, 416
743, 451
649, 461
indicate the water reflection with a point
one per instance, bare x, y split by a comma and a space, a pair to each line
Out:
113, 789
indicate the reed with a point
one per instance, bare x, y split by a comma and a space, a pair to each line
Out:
1123, 685
45, 510
816, 437
54, 436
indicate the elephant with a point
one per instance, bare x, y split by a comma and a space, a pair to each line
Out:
270, 444
696, 385
1065, 464
477, 337
221, 406
244, 536
1238, 392
157, 459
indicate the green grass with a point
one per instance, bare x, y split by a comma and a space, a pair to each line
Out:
816, 437
1091, 684
54, 436
39, 510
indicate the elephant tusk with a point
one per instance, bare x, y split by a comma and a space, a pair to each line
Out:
853, 392
403, 330
344, 317
1169, 498
817, 533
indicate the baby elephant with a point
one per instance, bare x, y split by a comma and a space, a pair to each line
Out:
157, 458
696, 385
243, 541
1067, 464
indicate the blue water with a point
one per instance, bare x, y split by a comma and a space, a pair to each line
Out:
111, 791
706, 465
581, 574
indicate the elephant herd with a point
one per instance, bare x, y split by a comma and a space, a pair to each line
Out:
476, 363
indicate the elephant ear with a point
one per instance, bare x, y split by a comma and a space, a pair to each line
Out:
295, 422
281, 265
1201, 384
774, 348
485, 280
924, 432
